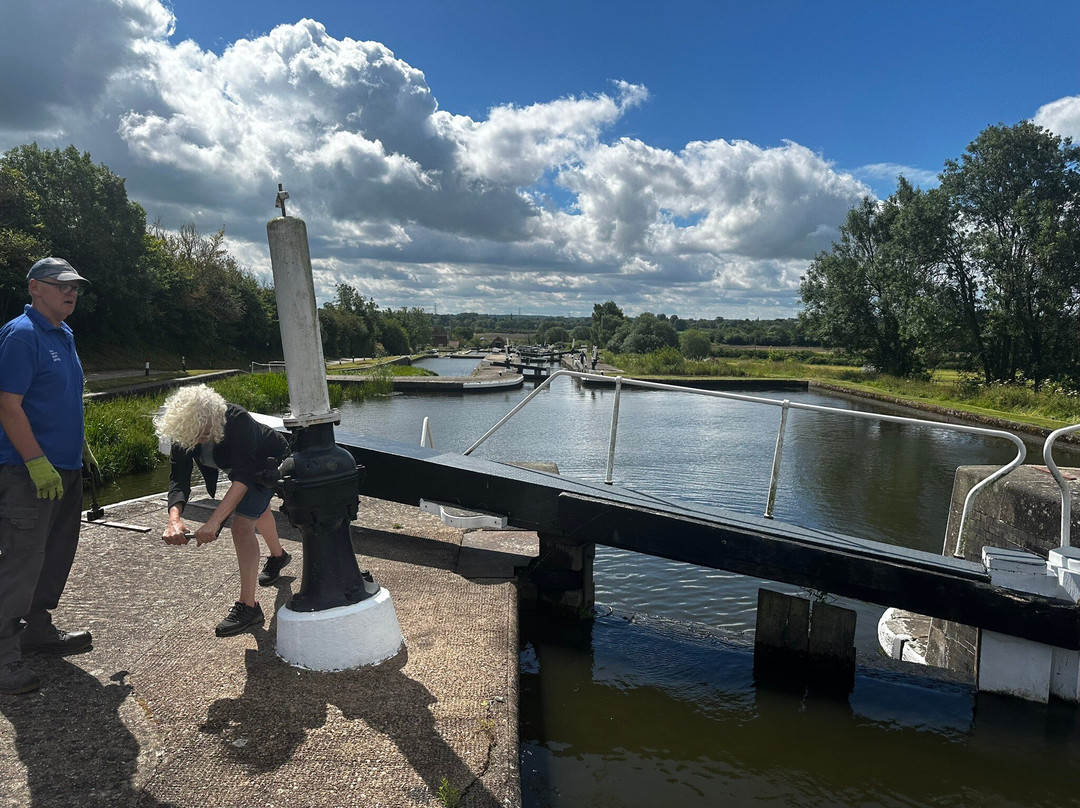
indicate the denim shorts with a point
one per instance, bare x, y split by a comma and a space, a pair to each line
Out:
255, 502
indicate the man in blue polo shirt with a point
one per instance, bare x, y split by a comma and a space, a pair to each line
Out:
42, 452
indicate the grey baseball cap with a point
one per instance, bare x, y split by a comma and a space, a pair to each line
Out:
56, 269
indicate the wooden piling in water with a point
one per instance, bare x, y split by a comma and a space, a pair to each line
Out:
798, 643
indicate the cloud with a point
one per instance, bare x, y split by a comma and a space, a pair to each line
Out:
1061, 117
536, 205
57, 58
888, 172
715, 197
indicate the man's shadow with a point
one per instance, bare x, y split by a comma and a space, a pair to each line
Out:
267, 723
72, 741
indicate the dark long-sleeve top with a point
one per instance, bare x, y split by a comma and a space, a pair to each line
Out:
242, 454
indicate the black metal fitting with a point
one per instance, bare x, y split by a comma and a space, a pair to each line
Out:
320, 485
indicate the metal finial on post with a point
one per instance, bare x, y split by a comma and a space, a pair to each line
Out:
282, 195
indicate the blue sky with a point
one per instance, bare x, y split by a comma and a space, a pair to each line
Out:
862, 83
686, 157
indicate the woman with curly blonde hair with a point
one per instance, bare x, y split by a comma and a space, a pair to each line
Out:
205, 430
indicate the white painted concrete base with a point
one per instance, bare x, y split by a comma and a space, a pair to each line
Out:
1065, 675
1014, 667
895, 644
345, 637
1017, 667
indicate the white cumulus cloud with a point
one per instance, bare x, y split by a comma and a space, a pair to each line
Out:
415, 205
1062, 117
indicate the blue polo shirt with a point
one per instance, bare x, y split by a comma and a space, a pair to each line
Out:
38, 361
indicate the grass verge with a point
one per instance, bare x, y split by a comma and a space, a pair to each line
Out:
121, 431
1051, 407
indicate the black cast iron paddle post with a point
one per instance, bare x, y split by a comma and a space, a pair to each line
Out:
320, 486
319, 482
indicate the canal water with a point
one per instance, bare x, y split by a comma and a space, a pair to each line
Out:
654, 702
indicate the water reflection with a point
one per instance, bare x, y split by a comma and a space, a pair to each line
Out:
635, 713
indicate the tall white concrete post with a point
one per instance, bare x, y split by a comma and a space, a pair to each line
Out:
294, 289
340, 618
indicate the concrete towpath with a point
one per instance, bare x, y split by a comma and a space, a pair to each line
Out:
161, 712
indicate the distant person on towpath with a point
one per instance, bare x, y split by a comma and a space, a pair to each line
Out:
205, 430
42, 452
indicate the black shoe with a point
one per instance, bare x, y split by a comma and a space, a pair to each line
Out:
272, 568
16, 678
241, 617
57, 641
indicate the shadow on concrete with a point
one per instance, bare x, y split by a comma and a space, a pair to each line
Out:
72, 741
264, 727
405, 548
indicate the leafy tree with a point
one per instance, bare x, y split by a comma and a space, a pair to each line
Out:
206, 303
556, 335
417, 323
87, 218
541, 332
695, 344
863, 295
394, 337
22, 239
606, 319
988, 265
645, 333
350, 324
1015, 218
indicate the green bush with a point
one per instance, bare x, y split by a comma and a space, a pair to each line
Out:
380, 382
267, 393
120, 433
695, 344
336, 394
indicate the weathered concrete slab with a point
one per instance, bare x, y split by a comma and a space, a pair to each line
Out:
497, 553
162, 712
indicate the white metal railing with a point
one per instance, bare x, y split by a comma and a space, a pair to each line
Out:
426, 438
1063, 484
267, 367
785, 405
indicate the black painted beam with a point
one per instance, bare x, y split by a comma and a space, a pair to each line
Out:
857, 569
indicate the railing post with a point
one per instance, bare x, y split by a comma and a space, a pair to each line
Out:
1021, 453
777, 452
520, 405
614, 431
1066, 494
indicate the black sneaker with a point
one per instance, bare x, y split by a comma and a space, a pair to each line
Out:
272, 568
241, 617
57, 641
16, 678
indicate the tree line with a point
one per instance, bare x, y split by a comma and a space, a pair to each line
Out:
155, 291
982, 272
171, 294
181, 294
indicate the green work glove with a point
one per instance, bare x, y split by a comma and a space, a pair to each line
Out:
46, 478
90, 463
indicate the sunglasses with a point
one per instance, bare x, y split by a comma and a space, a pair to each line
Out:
65, 288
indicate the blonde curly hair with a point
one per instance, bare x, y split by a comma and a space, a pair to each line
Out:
189, 414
